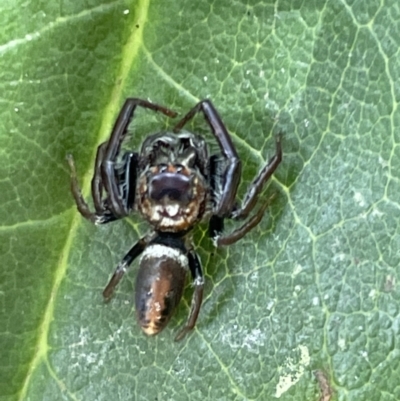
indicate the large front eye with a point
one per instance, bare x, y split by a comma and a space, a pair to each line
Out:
171, 185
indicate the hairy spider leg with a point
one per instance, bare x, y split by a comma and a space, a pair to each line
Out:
197, 298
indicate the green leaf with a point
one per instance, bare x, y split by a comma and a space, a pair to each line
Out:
314, 287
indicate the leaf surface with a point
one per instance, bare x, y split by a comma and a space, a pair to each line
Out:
313, 287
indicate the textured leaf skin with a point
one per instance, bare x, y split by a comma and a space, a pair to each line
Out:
315, 286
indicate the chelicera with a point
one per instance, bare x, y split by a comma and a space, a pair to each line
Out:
174, 184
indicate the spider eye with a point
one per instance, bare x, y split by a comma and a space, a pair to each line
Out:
178, 168
162, 168
172, 186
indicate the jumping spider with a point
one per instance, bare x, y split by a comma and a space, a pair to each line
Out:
174, 184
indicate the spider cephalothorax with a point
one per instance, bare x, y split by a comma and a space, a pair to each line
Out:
174, 184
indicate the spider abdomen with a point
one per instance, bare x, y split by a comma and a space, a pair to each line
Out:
159, 286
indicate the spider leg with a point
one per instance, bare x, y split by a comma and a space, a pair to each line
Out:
198, 281
250, 201
81, 204
232, 165
97, 184
129, 178
258, 183
112, 148
215, 227
215, 173
241, 231
122, 266
102, 214
117, 181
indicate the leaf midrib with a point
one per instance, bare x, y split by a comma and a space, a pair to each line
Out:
130, 52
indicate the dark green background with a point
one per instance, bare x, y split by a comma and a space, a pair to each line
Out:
315, 286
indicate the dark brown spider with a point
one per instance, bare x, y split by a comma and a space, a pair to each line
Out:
174, 184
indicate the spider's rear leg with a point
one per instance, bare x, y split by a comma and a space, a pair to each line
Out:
123, 266
197, 298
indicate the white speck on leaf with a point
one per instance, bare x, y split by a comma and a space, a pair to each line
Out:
254, 339
376, 213
339, 257
292, 372
384, 163
342, 344
297, 269
359, 199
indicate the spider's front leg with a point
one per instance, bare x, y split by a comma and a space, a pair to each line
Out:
225, 171
113, 186
81, 204
231, 170
115, 202
126, 176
